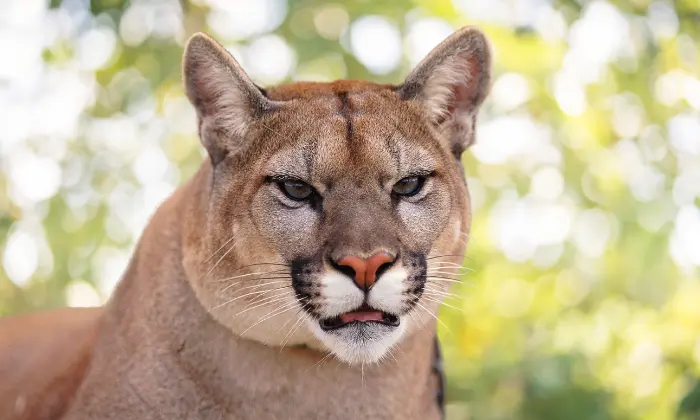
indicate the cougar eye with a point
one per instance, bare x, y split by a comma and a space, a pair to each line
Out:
296, 190
409, 186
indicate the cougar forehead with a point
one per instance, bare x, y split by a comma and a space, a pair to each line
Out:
348, 132
349, 124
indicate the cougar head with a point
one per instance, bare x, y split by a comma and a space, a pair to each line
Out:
333, 212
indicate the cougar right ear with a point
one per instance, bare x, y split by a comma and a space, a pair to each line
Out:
225, 98
451, 83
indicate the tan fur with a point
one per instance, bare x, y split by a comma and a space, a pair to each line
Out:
43, 357
219, 315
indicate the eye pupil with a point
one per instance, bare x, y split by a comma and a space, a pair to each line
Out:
296, 190
409, 186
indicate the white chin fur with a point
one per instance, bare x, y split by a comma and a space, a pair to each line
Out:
361, 343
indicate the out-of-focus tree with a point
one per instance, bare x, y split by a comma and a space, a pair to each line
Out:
583, 295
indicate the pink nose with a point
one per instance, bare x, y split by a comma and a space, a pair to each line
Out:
366, 268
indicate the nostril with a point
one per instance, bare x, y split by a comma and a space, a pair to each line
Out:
345, 269
383, 268
348, 271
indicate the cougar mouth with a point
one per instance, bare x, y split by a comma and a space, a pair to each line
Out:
363, 314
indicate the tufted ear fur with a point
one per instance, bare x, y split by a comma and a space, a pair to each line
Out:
451, 83
226, 99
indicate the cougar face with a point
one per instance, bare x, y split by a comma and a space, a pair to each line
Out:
335, 210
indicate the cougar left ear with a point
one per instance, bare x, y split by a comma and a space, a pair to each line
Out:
226, 99
451, 83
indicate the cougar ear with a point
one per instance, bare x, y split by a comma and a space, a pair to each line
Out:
451, 83
226, 99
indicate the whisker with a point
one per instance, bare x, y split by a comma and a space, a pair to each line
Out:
434, 316
464, 237
287, 322
450, 266
256, 286
247, 294
461, 282
287, 307
441, 263
431, 299
217, 251
292, 330
453, 269
257, 264
249, 265
444, 256
442, 293
413, 318
439, 271
248, 275
363, 374
220, 259
289, 279
280, 297
321, 360
445, 279
457, 277
391, 353
440, 297
418, 315
399, 348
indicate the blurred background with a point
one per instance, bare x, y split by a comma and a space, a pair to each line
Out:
584, 299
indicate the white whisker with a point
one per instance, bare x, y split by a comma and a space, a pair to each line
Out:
441, 292
288, 307
249, 274
444, 263
419, 316
434, 316
242, 296
321, 360
292, 330
444, 272
280, 297
446, 280
450, 267
217, 251
363, 374
220, 259
391, 353
431, 299
254, 286
413, 318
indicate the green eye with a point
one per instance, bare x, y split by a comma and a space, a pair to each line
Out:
409, 186
296, 190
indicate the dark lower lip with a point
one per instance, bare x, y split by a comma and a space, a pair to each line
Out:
336, 323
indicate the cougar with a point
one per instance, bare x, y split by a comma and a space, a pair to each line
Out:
296, 275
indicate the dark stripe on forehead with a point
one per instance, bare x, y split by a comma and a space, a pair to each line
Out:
392, 145
345, 109
310, 153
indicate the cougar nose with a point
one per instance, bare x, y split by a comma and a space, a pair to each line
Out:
364, 270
